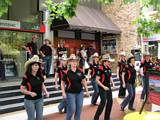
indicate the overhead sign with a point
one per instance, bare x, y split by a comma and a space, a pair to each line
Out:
9, 24
155, 37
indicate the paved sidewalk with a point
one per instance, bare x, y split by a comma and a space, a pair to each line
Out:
51, 111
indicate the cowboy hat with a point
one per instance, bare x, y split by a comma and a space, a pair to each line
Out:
64, 57
34, 59
122, 53
95, 55
73, 57
107, 57
146, 54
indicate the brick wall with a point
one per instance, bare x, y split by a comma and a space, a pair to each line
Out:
122, 16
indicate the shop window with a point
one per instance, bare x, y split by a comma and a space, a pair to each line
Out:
11, 43
109, 46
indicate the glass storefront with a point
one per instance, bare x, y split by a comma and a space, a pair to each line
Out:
11, 43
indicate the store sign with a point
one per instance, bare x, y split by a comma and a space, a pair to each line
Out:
154, 87
155, 37
9, 24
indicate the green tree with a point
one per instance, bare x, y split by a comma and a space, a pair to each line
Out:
4, 6
146, 27
66, 10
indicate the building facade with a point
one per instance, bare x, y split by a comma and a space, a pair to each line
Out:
17, 26
123, 16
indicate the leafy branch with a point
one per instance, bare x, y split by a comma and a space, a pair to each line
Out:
4, 6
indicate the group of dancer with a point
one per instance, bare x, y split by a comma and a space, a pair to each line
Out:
72, 79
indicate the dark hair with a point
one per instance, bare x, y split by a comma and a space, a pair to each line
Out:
39, 74
129, 59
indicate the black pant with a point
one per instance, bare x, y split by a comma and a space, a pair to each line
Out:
122, 91
105, 96
2, 71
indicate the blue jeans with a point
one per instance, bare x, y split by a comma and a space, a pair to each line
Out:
32, 107
96, 91
47, 66
130, 98
62, 105
145, 87
74, 105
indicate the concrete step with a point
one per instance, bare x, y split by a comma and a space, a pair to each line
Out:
11, 99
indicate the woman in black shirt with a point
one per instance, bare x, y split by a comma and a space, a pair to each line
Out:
60, 71
32, 86
103, 80
121, 65
93, 72
72, 89
128, 78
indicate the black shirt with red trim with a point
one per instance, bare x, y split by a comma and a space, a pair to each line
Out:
94, 68
33, 84
105, 74
32, 47
61, 72
146, 66
130, 74
73, 81
121, 65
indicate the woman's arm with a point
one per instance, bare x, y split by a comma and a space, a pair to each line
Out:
100, 84
63, 89
118, 72
84, 83
112, 82
55, 80
88, 75
123, 79
26, 92
45, 90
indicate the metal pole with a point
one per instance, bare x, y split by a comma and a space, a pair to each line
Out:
142, 46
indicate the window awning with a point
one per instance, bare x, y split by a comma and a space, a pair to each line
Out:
88, 19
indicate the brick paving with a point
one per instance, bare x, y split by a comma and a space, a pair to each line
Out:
89, 111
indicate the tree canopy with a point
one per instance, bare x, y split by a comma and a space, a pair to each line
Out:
4, 6
66, 9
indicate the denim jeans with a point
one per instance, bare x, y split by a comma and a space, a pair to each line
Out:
74, 105
130, 98
145, 87
32, 107
105, 96
96, 91
122, 91
62, 105
47, 66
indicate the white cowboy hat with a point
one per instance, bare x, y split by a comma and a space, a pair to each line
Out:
64, 57
73, 57
122, 53
95, 55
146, 54
34, 59
107, 57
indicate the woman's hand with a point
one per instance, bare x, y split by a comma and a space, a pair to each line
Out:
64, 95
56, 87
114, 85
87, 94
105, 88
47, 94
33, 94
124, 85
